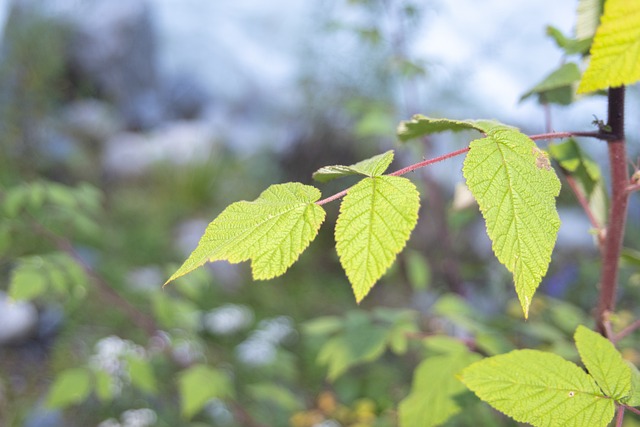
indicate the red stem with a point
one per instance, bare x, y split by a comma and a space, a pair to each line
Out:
411, 168
584, 203
620, 416
618, 212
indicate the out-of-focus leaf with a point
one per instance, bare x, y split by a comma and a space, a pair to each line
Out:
198, 385
69, 388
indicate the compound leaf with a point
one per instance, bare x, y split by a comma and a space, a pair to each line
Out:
432, 398
376, 218
516, 188
271, 231
373, 166
615, 54
539, 388
604, 363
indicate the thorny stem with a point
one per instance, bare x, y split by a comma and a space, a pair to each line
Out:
618, 212
411, 168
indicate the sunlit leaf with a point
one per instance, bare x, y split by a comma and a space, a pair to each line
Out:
539, 388
516, 188
271, 231
615, 54
373, 166
376, 218
604, 363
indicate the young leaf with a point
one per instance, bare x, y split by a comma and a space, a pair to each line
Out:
570, 46
615, 54
376, 218
420, 125
70, 387
604, 363
271, 231
434, 388
516, 189
539, 388
199, 384
374, 166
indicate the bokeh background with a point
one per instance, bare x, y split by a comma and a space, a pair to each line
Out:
127, 125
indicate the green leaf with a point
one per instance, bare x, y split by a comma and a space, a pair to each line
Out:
199, 384
69, 388
142, 375
374, 166
539, 388
361, 341
586, 172
271, 231
615, 54
432, 398
588, 18
27, 283
420, 125
516, 189
634, 396
276, 394
376, 218
569, 45
104, 387
604, 363
561, 79
325, 325
418, 270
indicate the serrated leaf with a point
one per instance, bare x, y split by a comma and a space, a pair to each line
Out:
561, 79
69, 388
420, 125
271, 231
634, 396
539, 388
376, 218
431, 401
604, 363
615, 54
516, 188
199, 384
373, 166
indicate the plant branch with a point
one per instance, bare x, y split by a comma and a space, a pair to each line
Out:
620, 416
140, 319
626, 331
633, 187
632, 409
560, 135
411, 168
584, 203
618, 211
